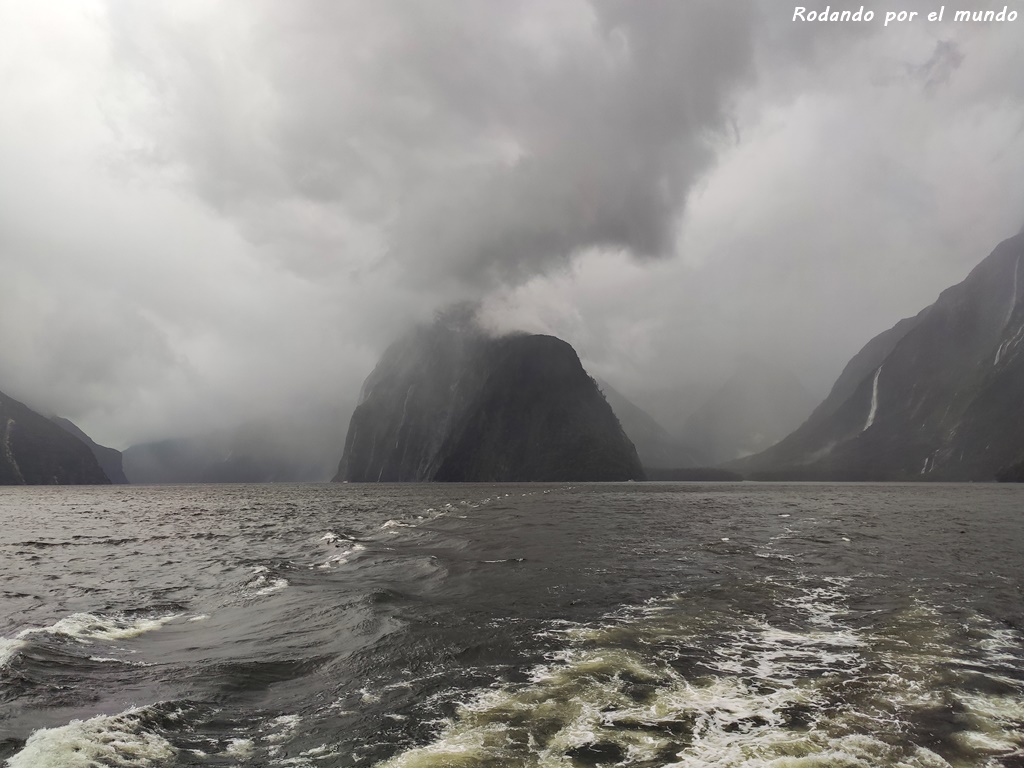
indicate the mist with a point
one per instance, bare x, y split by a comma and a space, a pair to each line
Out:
214, 214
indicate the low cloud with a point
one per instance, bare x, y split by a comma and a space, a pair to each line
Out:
213, 212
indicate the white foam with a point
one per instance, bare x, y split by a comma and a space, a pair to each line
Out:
342, 557
810, 693
740, 714
263, 585
368, 696
274, 586
283, 730
9, 648
241, 749
111, 660
85, 628
89, 626
103, 740
287, 725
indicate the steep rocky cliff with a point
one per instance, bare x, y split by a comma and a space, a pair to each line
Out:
448, 403
938, 396
35, 451
654, 445
109, 458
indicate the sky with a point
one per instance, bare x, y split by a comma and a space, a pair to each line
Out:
217, 211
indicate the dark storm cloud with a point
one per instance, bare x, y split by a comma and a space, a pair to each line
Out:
871, 172
489, 142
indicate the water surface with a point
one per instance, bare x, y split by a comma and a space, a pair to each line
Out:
512, 625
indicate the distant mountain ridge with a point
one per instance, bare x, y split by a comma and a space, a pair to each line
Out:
758, 405
654, 445
940, 396
35, 451
449, 403
270, 450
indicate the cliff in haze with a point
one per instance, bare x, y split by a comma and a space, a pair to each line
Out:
35, 451
448, 403
758, 405
936, 397
654, 445
109, 458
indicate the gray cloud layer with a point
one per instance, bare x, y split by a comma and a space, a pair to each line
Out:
486, 142
216, 210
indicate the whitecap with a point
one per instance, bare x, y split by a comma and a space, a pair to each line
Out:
103, 740
89, 626
111, 660
240, 748
276, 585
85, 628
763, 676
341, 558
9, 648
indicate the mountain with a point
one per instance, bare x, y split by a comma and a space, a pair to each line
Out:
654, 445
1012, 474
449, 403
35, 451
936, 397
109, 459
758, 405
302, 447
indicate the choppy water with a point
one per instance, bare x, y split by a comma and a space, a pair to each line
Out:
521, 625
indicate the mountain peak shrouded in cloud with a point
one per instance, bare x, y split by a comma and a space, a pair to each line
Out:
215, 212
450, 403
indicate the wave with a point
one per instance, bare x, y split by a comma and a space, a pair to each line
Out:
670, 684
265, 583
84, 628
342, 557
159, 734
120, 739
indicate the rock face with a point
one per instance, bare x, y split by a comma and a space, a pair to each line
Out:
109, 459
936, 397
655, 446
447, 403
756, 407
1011, 474
35, 451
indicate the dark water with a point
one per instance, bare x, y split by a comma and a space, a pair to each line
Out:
521, 625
